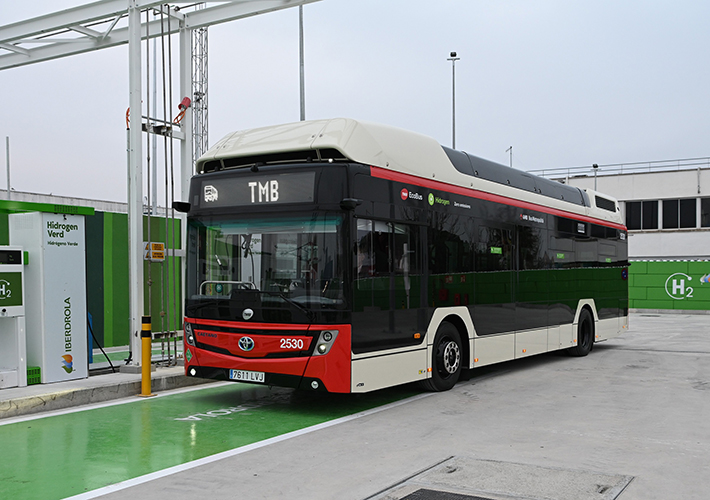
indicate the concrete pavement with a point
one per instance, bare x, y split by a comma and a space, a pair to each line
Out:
629, 421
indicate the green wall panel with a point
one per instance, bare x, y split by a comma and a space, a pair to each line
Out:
4, 232
95, 274
651, 285
116, 306
162, 283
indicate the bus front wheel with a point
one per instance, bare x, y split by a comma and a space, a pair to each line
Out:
585, 335
446, 359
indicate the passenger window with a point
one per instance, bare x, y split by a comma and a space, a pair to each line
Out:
494, 249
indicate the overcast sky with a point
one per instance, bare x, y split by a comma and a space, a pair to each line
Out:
565, 82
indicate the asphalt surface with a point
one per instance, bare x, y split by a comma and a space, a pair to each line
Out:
629, 421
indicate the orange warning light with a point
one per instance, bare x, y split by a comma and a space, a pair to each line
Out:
417, 335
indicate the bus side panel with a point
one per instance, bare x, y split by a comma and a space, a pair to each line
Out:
607, 329
378, 372
530, 342
493, 349
554, 341
568, 335
333, 369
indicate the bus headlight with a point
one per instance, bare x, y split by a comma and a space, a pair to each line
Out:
326, 339
189, 335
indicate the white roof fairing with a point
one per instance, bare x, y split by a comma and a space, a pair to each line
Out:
362, 142
381, 146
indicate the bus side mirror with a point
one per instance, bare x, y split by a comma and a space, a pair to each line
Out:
349, 203
181, 206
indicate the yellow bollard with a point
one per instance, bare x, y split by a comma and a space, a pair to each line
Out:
146, 352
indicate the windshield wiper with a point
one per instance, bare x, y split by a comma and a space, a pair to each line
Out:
303, 308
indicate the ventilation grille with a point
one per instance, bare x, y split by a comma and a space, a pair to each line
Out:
305, 156
605, 203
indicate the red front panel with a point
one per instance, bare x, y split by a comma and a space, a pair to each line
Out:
262, 344
244, 350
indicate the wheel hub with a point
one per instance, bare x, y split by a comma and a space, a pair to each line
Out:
452, 357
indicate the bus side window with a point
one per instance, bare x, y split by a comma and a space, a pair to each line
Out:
494, 249
381, 254
406, 250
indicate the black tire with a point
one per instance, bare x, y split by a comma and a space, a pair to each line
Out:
585, 335
447, 356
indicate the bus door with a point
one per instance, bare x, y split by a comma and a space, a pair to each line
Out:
494, 307
387, 286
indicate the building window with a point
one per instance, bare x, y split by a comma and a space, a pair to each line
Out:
642, 215
670, 214
705, 212
679, 213
649, 210
688, 213
633, 215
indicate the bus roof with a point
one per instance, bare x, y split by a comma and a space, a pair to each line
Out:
399, 150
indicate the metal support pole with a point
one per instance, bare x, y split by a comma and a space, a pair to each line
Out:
186, 146
186, 151
146, 354
302, 64
7, 165
135, 182
154, 144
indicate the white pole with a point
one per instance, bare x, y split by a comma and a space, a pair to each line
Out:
154, 144
301, 57
186, 166
186, 151
7, 164
135, 183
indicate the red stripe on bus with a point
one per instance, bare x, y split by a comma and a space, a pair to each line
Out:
390, 175
252, 326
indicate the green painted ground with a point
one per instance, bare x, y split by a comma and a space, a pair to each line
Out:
60, 456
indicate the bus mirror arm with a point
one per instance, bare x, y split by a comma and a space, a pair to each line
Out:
181, 206
350, 203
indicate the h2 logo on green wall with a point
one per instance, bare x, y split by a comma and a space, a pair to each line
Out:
676, 286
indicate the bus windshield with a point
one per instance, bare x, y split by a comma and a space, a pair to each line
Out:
279, 261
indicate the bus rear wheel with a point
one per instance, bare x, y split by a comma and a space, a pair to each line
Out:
446, 359
585, 335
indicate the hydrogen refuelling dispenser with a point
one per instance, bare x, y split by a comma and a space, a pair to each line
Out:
13, 358
55, 298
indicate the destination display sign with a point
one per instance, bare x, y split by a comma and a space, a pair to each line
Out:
258, 190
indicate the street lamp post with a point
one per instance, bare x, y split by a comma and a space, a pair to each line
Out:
453, 60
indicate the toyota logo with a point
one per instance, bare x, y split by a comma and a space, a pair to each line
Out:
246, 343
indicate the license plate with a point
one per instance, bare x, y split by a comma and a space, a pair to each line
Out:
246, 376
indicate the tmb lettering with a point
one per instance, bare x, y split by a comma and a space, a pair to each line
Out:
266, 192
